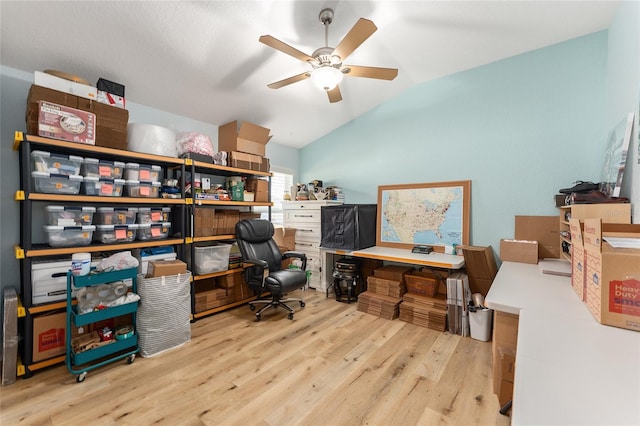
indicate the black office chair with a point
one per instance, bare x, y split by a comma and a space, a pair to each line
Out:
258, 248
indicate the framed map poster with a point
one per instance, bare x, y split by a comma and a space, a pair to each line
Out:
435, 214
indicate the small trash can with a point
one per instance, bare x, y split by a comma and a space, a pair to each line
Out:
480, 324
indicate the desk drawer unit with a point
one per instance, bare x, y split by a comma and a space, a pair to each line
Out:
305, 217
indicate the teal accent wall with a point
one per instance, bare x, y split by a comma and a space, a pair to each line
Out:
519, 129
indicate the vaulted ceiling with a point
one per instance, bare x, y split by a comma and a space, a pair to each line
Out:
202, 59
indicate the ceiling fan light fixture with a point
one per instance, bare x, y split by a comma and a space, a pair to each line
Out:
326, 77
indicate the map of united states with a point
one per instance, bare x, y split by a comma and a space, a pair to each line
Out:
422, 216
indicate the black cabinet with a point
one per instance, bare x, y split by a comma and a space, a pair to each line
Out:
348, 226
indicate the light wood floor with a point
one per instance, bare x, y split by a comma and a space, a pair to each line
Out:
331, 365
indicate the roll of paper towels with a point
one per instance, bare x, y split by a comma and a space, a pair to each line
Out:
151, 139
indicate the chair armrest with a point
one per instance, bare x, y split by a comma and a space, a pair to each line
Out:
257, 262
297, 255
256, 274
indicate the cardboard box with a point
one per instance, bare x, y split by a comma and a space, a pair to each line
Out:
285, 238
613, 275
49, 335
507, 369
248, 137
505, 338
63, 85
519, 251
66, 123
242, 160
481, 268
260, 187
160, 268
544, 230
111, 122
578, 260
204, 222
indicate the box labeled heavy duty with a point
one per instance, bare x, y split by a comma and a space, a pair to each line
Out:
348, 226
247, 137
522, 251
613, 273
49, 335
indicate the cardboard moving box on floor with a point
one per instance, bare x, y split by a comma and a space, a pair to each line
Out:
519, 251
613, 274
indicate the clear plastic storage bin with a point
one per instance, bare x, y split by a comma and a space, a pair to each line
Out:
110, 234
154, 215
142, 172
59, 164
56, 184
116, 215
141, 189
69, 236
210, 259
153, 231
69, 215
92, 167
102, 187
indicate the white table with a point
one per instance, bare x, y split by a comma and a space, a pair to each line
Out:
570, 370
437, 260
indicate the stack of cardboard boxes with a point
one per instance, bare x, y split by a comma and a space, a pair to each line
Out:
385, 290
110, 121
245, 145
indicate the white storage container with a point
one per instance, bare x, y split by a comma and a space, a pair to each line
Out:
102, 186
110, 234
92, 167
153, 215
49, 281
210, 259
69, 215
56, 184
116, 215
59, 164
153, 231
69, 236
142, 189
142, 172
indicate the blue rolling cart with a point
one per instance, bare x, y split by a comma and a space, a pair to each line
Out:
82, 362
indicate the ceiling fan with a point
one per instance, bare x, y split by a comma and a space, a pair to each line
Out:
327, 62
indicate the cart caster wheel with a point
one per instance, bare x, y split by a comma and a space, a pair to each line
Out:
302, 304
257, 317
252, 307
290, 316
81, 377
131, 358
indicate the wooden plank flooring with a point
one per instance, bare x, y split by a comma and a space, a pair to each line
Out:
331, 365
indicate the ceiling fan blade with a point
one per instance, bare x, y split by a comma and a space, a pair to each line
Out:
370, 72
361, 31
334, 94
287, 81
285, 48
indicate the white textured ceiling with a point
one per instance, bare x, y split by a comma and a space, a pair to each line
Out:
202, 59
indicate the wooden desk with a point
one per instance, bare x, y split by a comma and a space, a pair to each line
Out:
570, 370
